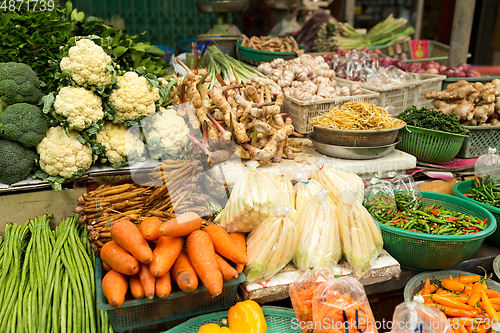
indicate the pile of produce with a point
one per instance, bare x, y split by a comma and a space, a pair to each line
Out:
247, 314
432, 119
474, 103
485, 191
432, 67
307, 78
132, 264
267, 43
357, 116
47, 279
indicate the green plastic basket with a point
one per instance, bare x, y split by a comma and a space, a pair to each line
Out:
142, 312
279, 320
417, 282
428, 145
255, 57
496, 266
460, 188
422, 252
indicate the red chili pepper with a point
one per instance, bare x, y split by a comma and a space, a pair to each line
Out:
485, 220
436, 213
452, 219
468, 195
469, 228
464, 233
386, 201
466, 219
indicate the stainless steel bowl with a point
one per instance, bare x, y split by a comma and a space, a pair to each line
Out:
352, 153
218, 7
357, 138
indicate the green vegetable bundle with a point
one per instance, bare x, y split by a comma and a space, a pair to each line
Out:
432, 119
485, 192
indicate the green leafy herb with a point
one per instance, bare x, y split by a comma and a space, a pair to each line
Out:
432, 119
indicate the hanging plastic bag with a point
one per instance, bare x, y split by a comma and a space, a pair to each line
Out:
271, 246
380, 201
359, 233
254, 198
488, 165
318, 234
306, 189
338, 181
406, 193
285, 184
413, 317
341, 305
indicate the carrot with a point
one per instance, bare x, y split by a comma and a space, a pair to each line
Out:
114, 287
201, 252
163, 286
488, 307
164, 255
127, 235
148, 281
118, 259
150, 228
475, 294
240, 239
181, 226
447, 301
184, 274
225, 245
136, 286
228, 272
106, 267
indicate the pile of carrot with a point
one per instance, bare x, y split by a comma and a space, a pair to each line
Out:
466, 301
147, 259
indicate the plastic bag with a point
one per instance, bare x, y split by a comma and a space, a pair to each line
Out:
406, 193
488, 165
318, 234
338, 181
415, 317
341, 305
271, 246
254, 198
305, 190
380, 201
359, 233
286, 186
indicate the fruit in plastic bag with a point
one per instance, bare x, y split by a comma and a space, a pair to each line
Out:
271, 246
359, 233
488, 165
415, 317
319, 235
338, 181
286, 185
254, 198
341, 305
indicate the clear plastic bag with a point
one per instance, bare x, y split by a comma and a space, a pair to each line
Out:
415, 317
254, 198
318, 234
305, 190
338, 181
406, 192
271, 246
341, 305
380, 201
286, 186
488, 165
359, 233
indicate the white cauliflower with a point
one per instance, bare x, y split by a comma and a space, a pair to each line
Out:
120, 142
166, 131
80, 106
86, 61
134, 98
63, 155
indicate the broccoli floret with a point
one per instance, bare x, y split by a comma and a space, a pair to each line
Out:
18, 84
24, 123
16, 163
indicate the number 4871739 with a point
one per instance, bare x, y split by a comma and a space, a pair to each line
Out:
29, 5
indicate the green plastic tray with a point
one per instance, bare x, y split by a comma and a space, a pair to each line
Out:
460, 188
417, 282
428, 145
255, 57
422, 252
279, 320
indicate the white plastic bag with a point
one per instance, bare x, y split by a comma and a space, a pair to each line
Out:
488, 165
406, 193
413, 317
286, 186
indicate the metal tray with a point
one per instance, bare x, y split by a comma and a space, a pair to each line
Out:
352, 153
357, 138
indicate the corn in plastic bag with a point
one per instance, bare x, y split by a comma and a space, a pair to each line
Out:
338, 181
286, 185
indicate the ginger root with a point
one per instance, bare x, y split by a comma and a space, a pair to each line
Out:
457, 90
461, 108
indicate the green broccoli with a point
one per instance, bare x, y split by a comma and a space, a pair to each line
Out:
16, 163
18, 84
24, 123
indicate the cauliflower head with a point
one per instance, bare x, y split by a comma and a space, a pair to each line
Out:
80, 106
86, 61
63, 155
135, 97
119, 141
170, 128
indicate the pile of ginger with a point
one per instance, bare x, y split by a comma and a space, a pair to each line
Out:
474, 103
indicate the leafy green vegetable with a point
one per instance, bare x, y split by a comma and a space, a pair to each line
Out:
432, 119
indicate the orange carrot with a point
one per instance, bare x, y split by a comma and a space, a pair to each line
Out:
106, 267
148, 281
184, 274
127, 235
136, 286
228, 272
114, 288
163, 286
240, 239
181, 226
118, 259
150, 228
201, 252
164, 255
225, 245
